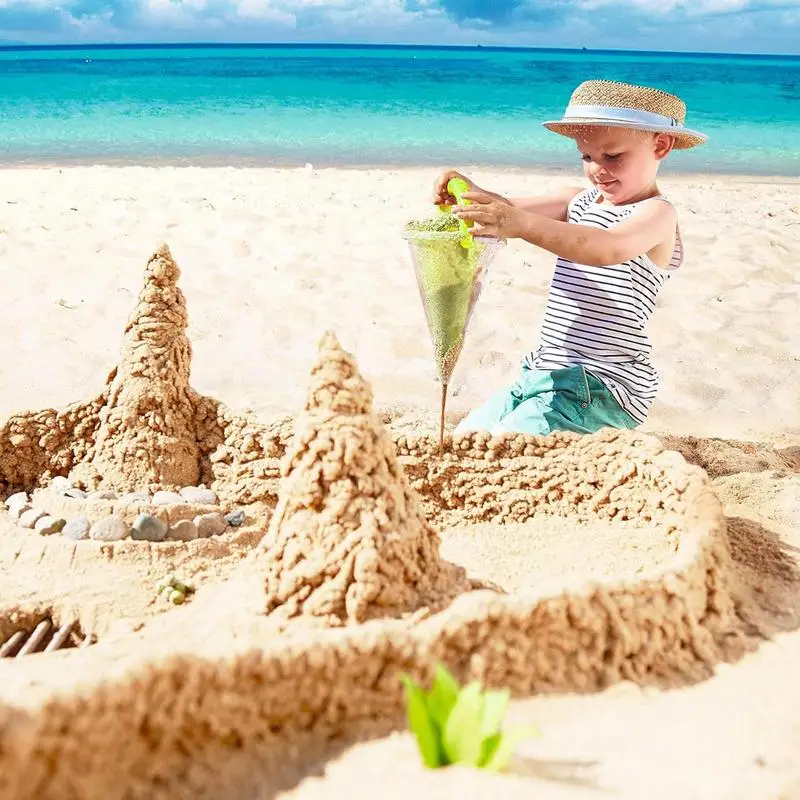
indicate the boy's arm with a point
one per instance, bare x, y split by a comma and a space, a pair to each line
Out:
553, 206
648, 227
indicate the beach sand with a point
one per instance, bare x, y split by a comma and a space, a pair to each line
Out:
272, 258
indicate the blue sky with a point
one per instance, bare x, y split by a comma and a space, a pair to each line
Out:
766, 26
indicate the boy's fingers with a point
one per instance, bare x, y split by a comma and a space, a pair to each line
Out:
477, 197
473, 208
476, 215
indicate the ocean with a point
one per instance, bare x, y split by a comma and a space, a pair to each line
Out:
372, 105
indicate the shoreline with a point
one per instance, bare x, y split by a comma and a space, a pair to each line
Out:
545, 170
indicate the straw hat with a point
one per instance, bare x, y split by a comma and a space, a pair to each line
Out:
622, 105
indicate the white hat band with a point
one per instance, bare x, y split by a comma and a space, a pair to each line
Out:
612, 113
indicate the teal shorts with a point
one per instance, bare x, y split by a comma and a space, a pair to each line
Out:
541, 402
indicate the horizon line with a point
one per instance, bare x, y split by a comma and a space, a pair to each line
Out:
376, 45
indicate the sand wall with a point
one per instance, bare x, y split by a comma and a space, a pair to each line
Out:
163, 714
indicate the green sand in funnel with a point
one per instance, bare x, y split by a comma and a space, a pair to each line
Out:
447, 274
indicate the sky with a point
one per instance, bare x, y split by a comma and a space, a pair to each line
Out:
733, 26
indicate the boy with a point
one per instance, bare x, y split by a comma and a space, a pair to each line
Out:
616, 245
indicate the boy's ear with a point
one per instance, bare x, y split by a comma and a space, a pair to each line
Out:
662, 145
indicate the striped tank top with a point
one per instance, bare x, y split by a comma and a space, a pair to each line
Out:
596, 316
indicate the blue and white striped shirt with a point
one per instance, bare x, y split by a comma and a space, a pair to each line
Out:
596, 316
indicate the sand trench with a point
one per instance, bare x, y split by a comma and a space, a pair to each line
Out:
338, 579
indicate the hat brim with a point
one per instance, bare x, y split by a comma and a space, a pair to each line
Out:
684, 138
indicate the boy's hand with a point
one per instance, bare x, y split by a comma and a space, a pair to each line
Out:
440, 194
492, 215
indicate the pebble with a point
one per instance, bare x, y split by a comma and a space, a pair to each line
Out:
183, 531
47, 525
235, 519
31, 517
210, 525
177, 598
167, 499
15, 512
102, 494
132, 498
198, 496
18, 499
76, 494
60, 484
77, 529
110, 529
147, 528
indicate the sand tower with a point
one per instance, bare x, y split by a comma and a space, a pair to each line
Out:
146, 435
348, 541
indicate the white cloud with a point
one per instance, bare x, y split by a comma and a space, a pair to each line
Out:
264, 11
694, 24
663, 8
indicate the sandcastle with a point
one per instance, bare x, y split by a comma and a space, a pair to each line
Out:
348, 541
135, 454
339, 577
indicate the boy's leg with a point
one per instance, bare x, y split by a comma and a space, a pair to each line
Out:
564, 400
604, 410
521, 408
487, 415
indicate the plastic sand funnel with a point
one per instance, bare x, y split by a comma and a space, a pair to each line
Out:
450, 278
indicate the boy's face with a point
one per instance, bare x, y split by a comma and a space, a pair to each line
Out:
622, 163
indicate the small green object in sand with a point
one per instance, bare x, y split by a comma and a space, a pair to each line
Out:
175, 589
455, 725
177, 598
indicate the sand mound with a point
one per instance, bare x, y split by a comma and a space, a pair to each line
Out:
146, 434
218, 698
348, 541
719, 457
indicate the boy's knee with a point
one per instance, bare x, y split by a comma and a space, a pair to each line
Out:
470, 425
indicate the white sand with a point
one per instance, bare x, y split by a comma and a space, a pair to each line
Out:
271, 258
553, 554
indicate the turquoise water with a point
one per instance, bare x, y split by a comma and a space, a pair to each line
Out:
372, 105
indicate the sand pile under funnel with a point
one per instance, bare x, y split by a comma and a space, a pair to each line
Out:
348, 541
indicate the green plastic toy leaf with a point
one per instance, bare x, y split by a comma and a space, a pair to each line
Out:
488, 748
443, 696
495, 704
505, 744
421, 724
462, 734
